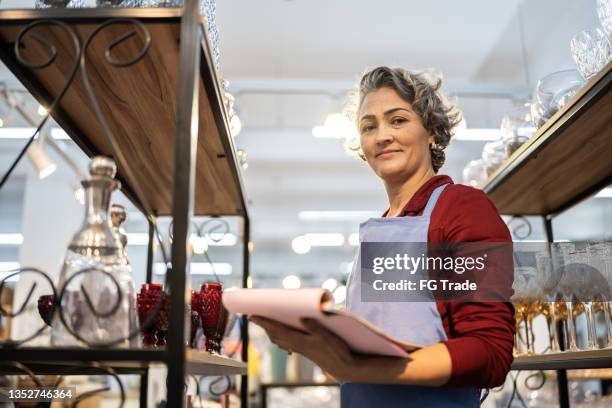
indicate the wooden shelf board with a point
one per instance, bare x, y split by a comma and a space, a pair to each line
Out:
203, 363
565, 361
45, 360
138, 102
566, 161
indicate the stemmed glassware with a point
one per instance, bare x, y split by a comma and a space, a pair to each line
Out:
552, 92
568, 279
604, 12
591, 51
600, 258
526, 294
548, 279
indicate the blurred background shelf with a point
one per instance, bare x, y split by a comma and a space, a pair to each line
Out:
565, 361
139, 101
566, 161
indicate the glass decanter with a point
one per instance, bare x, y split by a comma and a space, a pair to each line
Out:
95, 282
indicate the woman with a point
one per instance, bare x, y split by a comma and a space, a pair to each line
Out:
404, 126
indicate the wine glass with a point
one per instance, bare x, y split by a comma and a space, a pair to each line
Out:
600, 258
474, 174
517, 128
566, 289
591, 51
604, 12
548, 278
525, 298
588, 281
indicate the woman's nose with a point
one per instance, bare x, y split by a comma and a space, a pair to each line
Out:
384, 136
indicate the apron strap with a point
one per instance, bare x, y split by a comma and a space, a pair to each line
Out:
433, 199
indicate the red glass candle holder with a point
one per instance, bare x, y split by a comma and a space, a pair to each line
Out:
213, 315
146, 307
46, 307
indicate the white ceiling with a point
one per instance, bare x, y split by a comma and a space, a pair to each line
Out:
290, 63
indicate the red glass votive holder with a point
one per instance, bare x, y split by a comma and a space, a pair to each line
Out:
146, 308
46, 307
213, 315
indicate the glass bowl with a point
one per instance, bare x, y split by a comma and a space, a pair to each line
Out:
552, 92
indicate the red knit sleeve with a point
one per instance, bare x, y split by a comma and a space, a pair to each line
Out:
480, 334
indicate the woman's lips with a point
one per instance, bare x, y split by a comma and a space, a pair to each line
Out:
386, 154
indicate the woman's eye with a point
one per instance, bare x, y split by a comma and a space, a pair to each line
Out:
398, 121
367, 128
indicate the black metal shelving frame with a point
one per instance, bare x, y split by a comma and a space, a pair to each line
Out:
45, 360
561, 362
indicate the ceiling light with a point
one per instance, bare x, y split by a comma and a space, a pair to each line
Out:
354, 239
300, 245
198, 268
42, 111
320, 132
11, 239
1, 123
291, 282
221, 239
325, 239
44, 165
137, 239
336, 126
330, 284
198, 244
26, 133
605, 193
336, 215
6, 268
477, 134
340, 294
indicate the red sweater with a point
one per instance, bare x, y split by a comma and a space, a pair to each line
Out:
480, 335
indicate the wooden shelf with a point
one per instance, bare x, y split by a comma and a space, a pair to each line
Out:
44, 360
139, 101
567, 160
565, 361
203, 363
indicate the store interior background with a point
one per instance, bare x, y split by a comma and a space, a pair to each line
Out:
290, 64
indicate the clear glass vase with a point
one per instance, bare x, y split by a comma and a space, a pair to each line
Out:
96, 286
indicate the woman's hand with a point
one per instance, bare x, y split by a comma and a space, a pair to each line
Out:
319, 345
430, 366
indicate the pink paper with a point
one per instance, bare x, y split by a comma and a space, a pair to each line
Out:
288, 306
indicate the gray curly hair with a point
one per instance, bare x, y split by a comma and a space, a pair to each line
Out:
438, 115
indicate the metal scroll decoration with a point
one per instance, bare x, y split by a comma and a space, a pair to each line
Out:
22, 308
80, 61
520, 227
50, 58
93, 369
59, 310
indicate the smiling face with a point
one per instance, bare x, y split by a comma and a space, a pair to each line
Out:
393, 140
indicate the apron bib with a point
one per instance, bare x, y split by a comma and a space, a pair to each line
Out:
414, 322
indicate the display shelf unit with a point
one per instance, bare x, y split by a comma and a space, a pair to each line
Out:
566, 161
162, 108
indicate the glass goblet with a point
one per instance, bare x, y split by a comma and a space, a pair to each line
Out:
591, 51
